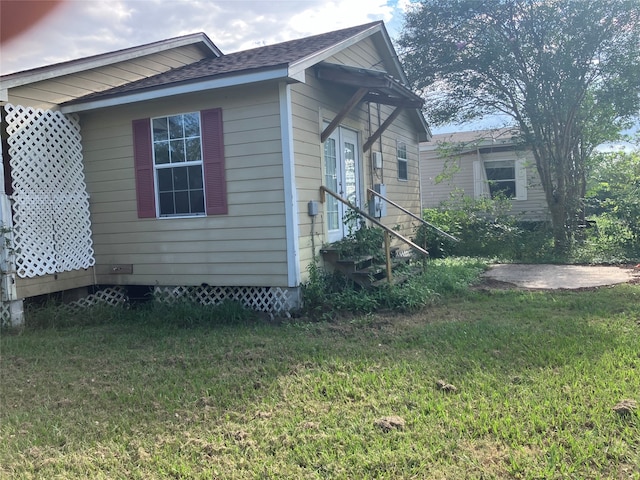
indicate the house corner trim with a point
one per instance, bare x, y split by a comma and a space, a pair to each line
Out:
290, 196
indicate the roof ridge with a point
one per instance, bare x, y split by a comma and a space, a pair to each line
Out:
356, 28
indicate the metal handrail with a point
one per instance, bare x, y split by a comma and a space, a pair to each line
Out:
442, 232
375, 221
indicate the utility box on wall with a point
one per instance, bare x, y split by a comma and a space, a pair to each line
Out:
377, 206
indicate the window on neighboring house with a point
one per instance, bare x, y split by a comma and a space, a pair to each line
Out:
501, 178
401, 149
179, 161
493, 178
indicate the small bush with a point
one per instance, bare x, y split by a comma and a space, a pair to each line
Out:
484, 228
362, 240
327, 295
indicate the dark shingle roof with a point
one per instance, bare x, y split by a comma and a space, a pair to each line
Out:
256, 59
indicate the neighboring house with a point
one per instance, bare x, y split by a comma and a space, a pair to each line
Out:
173, 166
479, 164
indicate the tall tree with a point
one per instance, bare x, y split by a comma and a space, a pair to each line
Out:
566, 73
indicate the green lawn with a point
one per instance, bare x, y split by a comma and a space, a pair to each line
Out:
537, 375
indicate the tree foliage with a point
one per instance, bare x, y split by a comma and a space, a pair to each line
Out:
614, 190
566, 72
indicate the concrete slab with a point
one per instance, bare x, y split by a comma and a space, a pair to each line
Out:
561, 276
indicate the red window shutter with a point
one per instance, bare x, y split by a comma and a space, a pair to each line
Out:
213, 153
143, 164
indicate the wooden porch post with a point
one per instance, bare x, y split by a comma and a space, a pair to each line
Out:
387, 255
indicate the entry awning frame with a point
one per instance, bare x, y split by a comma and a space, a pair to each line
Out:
371, 86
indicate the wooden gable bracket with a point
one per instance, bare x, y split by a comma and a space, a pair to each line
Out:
355, 99
376, 135
373, 87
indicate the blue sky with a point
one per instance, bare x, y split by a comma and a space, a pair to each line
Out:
80, 28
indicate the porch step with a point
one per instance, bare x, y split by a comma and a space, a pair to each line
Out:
356, 263
364, 270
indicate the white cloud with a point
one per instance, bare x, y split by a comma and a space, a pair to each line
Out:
339, 14
87, 27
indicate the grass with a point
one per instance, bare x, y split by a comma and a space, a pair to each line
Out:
142, 395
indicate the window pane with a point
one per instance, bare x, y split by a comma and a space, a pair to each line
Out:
161, 152
331, 182
501, 173
195, 177
402, 150
402, 170
197, 201
331, 177
177, 151
194, 153
192, 125
160, 129
166, 204
182, 202
175, 127
165, 180
180, 179
350, 188
507, 189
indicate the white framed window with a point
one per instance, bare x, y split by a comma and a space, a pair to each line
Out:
500, 177
177, 160
403, 164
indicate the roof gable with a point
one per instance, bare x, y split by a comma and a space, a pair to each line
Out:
87, 63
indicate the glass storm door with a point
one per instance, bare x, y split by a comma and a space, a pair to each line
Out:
341, 175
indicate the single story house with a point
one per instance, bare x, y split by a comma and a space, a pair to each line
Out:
482, 163
175, 167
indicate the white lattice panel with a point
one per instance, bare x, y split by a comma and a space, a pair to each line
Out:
110, 297
52, 229
262, 299
5, 314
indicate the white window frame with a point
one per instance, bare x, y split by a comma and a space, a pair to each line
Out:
481, 183
401, 147
161, 166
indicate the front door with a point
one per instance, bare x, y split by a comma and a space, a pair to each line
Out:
341, 175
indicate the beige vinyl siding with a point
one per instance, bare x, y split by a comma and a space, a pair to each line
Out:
315, 102
246, 247
404, 192
433, 193
50, 93
435, 190
363, 54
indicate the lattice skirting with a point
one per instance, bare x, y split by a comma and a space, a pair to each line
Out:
274, 300
111, 297
262, 299
5, 313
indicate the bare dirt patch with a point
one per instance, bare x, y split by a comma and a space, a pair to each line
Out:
552, 277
